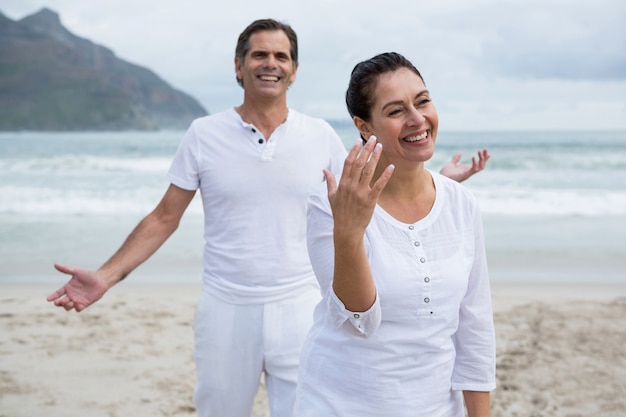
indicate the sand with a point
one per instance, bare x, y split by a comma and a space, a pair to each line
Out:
561, 352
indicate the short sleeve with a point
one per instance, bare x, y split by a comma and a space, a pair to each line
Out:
183, 170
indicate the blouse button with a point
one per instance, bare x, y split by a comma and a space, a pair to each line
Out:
416, 243
422, 260
411, 227
260, 140
427, 300
426, 279
253, 130
357, 315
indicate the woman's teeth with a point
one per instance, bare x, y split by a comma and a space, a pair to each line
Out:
416, 138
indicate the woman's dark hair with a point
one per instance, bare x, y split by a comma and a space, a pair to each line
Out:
360, 93
243, 43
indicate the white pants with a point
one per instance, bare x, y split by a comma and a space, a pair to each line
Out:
235, 344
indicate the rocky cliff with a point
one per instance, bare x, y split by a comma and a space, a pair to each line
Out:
52, 80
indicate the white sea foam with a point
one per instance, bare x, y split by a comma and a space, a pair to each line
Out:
44, 201
552, 202
80, 164
41, 201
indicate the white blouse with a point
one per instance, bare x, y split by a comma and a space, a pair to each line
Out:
429, 335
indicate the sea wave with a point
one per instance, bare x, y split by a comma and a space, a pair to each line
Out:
80, 164
508, 201
550, 173
43, 201
592, 203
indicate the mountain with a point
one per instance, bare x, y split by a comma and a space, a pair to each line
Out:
52, 80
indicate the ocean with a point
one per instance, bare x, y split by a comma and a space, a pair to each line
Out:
553, 203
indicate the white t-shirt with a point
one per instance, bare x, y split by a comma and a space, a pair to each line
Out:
429, 334
254, 192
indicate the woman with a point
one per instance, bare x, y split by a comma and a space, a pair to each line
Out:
405, 327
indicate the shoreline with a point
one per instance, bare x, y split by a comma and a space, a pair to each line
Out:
520, 249
516, 293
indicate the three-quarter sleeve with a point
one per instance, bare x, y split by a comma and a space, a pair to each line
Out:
322, 254
474, 368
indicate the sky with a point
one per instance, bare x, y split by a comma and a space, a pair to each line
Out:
490, 65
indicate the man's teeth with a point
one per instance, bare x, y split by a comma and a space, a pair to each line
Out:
269, 78
416, 138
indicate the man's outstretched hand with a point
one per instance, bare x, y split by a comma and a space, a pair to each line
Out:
83, 289
461, 172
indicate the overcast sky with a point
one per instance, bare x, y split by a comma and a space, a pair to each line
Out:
489, 64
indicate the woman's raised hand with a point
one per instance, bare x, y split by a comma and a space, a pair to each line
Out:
353, 200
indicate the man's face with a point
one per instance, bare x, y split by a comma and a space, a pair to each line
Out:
267, 69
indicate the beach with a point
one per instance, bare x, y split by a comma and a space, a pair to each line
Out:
560, 352
554, 215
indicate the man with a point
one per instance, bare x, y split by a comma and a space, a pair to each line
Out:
255, 166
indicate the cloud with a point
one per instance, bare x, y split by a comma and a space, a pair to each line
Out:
572, 42
490, 64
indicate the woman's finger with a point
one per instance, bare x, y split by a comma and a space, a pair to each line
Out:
331, 183
380, 183
365, 154
370, 165
350, 160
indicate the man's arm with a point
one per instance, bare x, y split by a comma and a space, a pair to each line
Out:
85, 287
460, 172
477, 403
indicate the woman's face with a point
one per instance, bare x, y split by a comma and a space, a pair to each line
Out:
403, 117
